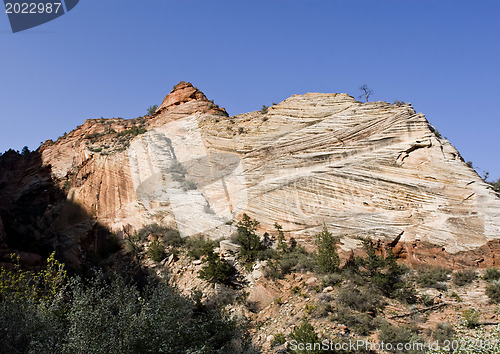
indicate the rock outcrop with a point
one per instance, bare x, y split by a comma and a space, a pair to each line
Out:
364, 169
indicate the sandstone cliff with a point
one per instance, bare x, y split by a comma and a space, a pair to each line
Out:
363, 169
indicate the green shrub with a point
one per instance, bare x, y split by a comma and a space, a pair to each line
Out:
327, 257
443, 332
406, 294
281, 245
104, 314
493, 292
264, 109
40, 286
132, 131
188, 185
363, 299
152, 109
464, 277
382, 272
304, 333
361, 323
217, 270
398, 334
455, 296
156, 251
296, 259
279, 339
427, 299
491, 274
496, 185
471, 318
323, 309
126, 321
198, 247
332, 279
176, 167
433, 277
169, 236
246, 237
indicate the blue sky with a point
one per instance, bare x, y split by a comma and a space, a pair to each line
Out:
115, 58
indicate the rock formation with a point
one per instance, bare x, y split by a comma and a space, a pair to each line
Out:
364, 169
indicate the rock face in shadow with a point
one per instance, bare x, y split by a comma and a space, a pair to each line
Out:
364, 169
37, 218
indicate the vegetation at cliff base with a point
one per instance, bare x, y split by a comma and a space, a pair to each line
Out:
49, 312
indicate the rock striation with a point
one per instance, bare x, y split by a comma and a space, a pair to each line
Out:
363, 169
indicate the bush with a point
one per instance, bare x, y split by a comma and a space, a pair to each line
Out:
493, 292
264, 109
177, 168
156, 251
496, 185
471, 318
188, 185
132, 131
170, 237
152, 109
304, 333
198, 247
25, 151
382, 272
332, 279
297, 259
103, 314
217, 270
361, 323
126, 321
35, 287
406, 294
491, 274
427, 299
327, 257
433, 277
323, 309
398, 334
364, 299
278, 340
443, 332
246, 237
464, 277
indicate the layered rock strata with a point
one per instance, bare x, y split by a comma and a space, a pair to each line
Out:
362, 169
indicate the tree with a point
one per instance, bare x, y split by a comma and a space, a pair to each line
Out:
250, 243
217, 270
306, 335
25, 151
282, 246
496, 185
366, 92
152, 109
328, 260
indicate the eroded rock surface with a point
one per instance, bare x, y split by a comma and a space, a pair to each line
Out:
363, 169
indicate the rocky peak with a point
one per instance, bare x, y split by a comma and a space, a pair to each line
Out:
181, 93
187, 99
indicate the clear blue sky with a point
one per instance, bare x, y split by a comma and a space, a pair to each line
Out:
115, 58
